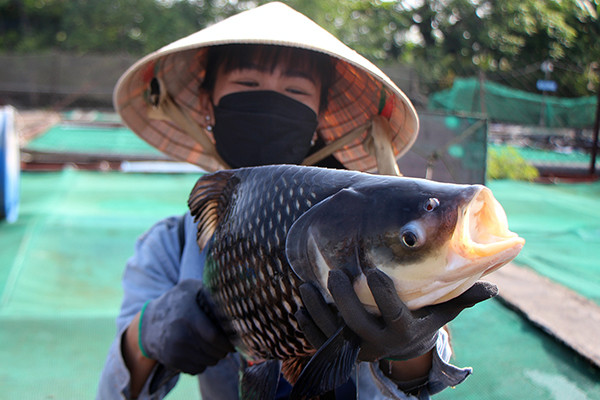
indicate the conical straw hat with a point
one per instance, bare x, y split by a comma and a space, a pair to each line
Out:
360, 90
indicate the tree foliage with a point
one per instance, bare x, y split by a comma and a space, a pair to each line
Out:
507, 40
133, 26
507, 163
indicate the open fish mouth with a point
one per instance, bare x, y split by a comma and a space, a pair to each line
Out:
482, 238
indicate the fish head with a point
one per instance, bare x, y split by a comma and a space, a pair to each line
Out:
458, 234
434, 240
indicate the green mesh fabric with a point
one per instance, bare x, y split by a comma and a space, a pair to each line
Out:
60, 280
507, 105
62, 263
513, 360
561, 226
67, 138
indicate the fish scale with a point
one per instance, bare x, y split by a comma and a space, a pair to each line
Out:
250, 307
281, 283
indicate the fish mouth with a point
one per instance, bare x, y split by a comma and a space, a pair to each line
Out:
481, 243
482, 239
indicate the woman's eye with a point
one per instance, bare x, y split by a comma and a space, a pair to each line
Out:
247, 83
296, 91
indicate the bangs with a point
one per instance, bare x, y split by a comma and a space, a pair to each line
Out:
268, 57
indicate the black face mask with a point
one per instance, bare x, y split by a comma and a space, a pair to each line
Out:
262, 127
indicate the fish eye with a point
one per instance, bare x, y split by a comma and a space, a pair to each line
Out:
412, 235
431, 204
409, 239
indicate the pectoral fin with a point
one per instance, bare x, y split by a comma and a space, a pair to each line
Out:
330, 367
259, 381
325, 237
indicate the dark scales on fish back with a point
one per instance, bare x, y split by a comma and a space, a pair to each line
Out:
253, 288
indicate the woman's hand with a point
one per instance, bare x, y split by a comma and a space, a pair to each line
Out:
176, 333
399, 334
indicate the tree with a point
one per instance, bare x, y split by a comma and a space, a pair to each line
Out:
134, 26
508, 40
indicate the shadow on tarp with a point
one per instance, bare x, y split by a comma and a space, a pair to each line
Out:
61, 289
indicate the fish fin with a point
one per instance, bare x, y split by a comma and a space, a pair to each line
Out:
292, 367
313, 231
330, 367
208, 201
259, 381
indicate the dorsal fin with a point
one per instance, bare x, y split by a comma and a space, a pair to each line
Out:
208, 201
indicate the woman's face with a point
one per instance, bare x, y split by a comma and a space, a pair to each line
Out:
295, 84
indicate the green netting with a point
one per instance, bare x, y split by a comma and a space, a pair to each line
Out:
507, 105
60, 358
62, 263
92, 139
60, 290
513, 360
561, 226
66, 219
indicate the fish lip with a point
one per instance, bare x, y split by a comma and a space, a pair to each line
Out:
482, 235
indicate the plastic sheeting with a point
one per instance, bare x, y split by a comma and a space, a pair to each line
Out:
561, 226
503, 104
60, 280
92, 139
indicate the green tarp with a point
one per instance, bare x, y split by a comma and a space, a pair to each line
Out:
72, 138
561, 226
62, 262
511, 106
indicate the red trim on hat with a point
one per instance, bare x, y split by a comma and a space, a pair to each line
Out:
149, 72
387, 109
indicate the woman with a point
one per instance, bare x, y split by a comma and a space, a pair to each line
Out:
266, 86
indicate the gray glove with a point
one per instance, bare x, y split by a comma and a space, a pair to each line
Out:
177, 333
399, 333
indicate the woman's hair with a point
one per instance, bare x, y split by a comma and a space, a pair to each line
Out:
238, 56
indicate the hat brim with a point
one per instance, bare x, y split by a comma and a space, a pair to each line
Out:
359, 92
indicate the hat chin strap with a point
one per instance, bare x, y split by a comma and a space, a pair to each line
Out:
165, 109
378, 144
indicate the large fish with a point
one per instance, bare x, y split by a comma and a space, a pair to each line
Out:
272, 228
